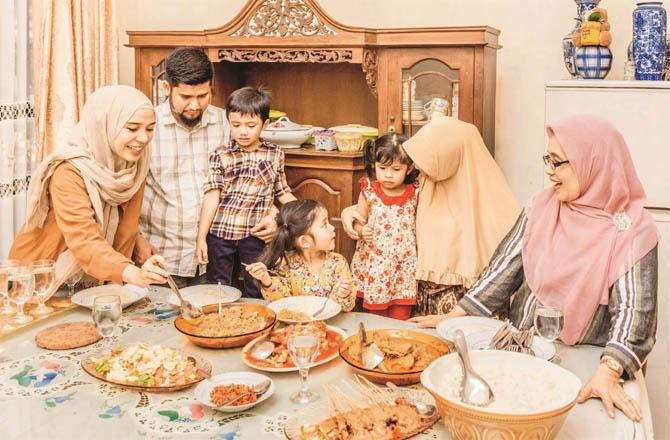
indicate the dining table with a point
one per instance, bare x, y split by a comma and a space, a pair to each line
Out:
69, 403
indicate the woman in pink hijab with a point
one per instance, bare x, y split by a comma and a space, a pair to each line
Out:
587, 246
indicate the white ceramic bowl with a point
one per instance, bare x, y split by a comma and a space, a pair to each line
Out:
205, 387
287, 134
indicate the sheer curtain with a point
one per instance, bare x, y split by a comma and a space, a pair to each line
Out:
75, 52
17, 127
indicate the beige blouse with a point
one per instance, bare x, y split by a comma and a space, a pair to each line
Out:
70, 224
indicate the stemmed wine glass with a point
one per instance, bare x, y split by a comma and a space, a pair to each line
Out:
21, 287
106, 314
548, 323
303, 346
5, 268
72, 282
45, 275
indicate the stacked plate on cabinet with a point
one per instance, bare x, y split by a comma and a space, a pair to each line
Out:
416, 110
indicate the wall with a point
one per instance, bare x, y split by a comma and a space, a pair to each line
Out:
531, 37
531, 52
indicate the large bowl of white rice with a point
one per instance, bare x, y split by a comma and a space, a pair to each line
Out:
532, 396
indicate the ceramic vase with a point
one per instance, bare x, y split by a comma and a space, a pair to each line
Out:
649, 40
568, 46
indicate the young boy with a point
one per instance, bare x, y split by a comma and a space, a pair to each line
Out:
245, 178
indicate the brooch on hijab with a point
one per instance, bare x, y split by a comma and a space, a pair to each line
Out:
621, 221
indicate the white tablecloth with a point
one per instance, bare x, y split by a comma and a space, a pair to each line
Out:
74, 405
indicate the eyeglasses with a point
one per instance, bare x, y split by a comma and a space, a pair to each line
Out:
553, 164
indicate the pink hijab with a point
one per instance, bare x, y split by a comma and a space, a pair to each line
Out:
574, 252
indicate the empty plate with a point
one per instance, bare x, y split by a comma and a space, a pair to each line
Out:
128, 293
204, 294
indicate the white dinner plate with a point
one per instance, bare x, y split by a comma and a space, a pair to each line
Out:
479, 331
129, 294
248, 360
205, 387
468, 324
204, 294
308, 305
480, 341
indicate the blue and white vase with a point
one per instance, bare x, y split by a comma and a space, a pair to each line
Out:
649, 40
593, 62
568, 45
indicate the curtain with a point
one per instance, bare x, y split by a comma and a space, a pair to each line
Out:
17, 135
75, 52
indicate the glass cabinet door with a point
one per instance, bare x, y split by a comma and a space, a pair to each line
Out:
429, 89
157, 78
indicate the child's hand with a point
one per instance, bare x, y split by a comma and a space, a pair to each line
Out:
344, 287
260, 272
201, 251
366, 233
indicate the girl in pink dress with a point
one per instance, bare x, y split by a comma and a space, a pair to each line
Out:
384, 264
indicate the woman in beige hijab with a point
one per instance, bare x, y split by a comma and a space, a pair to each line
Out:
84, 199
465, 208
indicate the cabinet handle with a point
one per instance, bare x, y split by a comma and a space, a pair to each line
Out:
391, 126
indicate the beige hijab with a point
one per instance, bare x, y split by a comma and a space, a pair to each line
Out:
465, 205
89, 149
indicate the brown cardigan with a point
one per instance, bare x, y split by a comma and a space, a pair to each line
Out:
70, 224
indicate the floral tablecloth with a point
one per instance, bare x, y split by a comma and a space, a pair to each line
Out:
46, 395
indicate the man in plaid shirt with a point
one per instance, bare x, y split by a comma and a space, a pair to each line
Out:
188, 130
244, 180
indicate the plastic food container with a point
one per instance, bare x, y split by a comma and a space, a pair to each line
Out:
348, 142
366, 132
325, 140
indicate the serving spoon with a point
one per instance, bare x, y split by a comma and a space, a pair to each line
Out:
259, 389
474, 389
424, 409
371, 355
192, 360
188, 310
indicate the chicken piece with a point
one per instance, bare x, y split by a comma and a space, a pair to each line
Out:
404, 363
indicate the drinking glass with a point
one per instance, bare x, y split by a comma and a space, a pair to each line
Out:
45, 275
5, 268
303, 346
106, 314
72, 282
21, 287
548, 322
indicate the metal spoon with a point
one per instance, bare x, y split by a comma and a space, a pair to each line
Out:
424, 409
189, 311
321, 309
270, 271
192, 360
259, 389
474, 389
263, 348
371, 355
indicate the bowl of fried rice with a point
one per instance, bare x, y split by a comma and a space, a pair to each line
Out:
228, 325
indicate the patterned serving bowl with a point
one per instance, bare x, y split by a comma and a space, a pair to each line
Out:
515, 421
398, 378
191, 331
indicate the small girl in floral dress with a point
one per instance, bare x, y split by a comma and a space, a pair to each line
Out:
302, 259
384, 264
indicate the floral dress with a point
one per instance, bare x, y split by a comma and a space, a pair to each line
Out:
296, 279
384, 269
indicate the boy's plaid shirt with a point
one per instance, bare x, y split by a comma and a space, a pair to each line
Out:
249, 183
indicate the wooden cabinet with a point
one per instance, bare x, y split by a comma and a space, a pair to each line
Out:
331, 178
324, 73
